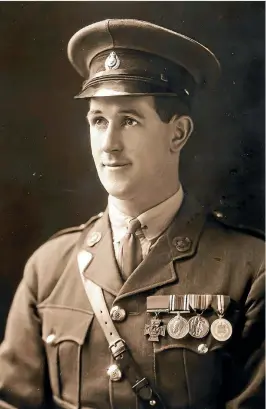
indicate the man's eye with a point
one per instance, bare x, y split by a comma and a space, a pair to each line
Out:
130, 121
98, 121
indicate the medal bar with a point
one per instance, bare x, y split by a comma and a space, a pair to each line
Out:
168, 304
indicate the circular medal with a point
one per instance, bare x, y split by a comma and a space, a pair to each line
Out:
221, 329
177, 327
198, 326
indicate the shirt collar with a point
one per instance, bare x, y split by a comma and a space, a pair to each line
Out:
154, 221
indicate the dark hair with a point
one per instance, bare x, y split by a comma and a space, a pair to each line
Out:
167, 107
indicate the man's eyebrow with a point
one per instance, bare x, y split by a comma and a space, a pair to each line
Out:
94, 112
131, 111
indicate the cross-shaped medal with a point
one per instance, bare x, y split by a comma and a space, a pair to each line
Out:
155, 329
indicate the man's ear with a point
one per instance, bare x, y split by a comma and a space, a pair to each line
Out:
182, 129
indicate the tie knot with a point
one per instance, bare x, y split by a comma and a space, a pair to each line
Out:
133, 226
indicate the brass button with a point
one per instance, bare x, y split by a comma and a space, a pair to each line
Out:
218, 214
93, 238
114, 373
118, 314
152, 402
182, 244
203, 349
50, 339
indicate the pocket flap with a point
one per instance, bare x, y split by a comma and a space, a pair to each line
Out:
63, 324
197, 345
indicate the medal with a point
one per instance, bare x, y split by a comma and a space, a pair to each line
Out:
155, 329
221, 328
178, 327
198, 325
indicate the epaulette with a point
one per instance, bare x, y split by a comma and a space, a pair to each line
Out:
76, 229
229, 220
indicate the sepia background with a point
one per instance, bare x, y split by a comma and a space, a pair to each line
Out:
47, 177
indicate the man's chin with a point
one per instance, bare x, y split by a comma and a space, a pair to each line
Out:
119, 192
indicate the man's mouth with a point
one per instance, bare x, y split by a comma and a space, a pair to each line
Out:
115, 165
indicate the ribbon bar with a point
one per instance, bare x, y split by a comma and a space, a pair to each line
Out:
182, 302
168, 303
158, 303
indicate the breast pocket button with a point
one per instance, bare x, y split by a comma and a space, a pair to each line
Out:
50, 339
203, 349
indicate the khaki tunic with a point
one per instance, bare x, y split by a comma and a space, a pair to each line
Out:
55, 355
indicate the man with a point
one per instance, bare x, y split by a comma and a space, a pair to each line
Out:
155, 302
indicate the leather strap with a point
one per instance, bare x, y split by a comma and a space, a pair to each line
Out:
120, 352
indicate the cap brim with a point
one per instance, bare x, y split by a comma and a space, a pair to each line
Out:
122, 88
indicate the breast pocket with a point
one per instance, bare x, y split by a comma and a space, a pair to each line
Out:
64, 332
189, 370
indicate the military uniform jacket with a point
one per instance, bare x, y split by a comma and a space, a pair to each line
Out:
55, 355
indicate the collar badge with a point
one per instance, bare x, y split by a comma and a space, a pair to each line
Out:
112, 62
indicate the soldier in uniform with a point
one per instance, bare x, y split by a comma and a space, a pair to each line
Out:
156, 302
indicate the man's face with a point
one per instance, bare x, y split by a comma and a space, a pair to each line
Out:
130, 146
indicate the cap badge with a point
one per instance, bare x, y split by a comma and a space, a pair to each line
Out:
112, 62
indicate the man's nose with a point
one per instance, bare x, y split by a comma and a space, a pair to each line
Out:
111, 139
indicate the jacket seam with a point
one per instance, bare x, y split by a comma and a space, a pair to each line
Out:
186, 375
260, 270
154, 364
110, 387
63, 307
79, 377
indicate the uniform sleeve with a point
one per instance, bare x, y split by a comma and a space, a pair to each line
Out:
22, 357
247, 382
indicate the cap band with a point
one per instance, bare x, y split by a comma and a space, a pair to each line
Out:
136, 72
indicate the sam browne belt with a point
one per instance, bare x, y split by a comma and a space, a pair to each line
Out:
120, 352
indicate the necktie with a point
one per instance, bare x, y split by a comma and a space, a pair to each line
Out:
130, 250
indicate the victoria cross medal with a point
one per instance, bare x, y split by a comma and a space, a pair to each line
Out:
155, 329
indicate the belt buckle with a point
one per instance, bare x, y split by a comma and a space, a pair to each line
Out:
117, 348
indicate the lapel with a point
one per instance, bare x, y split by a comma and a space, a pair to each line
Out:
103, 269
178, 242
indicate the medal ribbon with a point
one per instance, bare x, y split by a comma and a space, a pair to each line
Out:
220, 304
200, 301
158, 303
179, 303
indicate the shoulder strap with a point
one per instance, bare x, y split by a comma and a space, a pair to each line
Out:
233, 221
120, 352
76, 229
